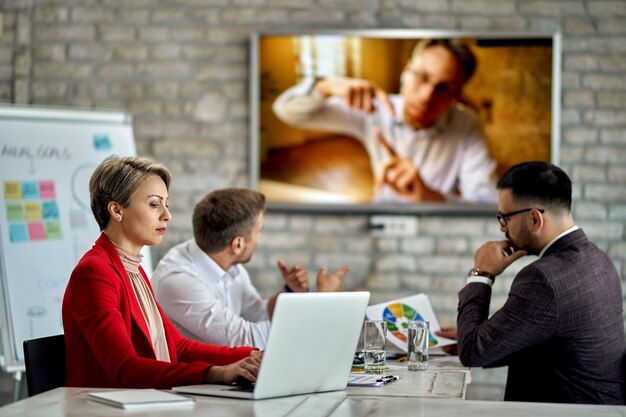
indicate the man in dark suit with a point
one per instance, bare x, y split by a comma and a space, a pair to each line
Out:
560, 331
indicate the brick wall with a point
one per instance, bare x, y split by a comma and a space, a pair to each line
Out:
180, 67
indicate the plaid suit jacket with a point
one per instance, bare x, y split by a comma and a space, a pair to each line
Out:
560, 331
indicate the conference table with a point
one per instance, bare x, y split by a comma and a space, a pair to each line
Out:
437, 392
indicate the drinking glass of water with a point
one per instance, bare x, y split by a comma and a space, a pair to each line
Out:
418, 335
374, 337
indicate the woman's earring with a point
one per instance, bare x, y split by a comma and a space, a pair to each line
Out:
118, 217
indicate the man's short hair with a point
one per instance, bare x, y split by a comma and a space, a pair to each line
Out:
224, 214
540, 183
456, 47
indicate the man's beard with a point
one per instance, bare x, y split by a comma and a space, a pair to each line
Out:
526, 241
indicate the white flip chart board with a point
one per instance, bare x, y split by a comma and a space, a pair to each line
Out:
46, 158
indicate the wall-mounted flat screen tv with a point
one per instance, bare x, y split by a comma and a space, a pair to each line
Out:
399, 120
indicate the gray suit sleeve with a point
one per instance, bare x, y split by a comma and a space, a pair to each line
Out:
528, 317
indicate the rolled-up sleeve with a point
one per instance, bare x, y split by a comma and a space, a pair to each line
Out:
304, 107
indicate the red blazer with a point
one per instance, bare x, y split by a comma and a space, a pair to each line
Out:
107, 339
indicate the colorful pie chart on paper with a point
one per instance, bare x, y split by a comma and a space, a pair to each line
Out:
398, 316
399, 312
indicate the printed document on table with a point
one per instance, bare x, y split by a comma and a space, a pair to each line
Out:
369, 380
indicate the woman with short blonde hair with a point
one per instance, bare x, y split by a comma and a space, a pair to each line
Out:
115, 332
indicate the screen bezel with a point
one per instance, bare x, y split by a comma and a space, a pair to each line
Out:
448, 207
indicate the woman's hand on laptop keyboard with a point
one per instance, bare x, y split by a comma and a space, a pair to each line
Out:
246, 368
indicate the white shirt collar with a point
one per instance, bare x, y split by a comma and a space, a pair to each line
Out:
203, 259
566, 232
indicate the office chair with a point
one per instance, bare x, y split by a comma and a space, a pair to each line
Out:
45, 363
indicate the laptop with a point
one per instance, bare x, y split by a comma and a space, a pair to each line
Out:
310, 347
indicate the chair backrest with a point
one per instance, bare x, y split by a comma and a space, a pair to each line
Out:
45, 363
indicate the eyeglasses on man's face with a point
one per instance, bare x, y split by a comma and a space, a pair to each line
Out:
442, 89
503, 218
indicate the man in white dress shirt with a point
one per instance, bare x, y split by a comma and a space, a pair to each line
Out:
423, 144
202, 285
